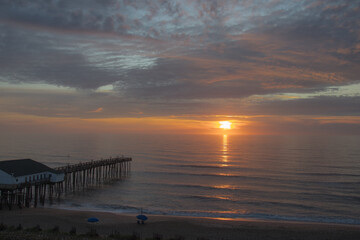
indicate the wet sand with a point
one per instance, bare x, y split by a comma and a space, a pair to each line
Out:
170, 227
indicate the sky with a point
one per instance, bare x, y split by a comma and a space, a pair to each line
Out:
167, 66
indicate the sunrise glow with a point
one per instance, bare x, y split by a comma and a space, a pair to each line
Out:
225, 125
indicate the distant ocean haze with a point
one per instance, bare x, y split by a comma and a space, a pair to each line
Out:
300, 178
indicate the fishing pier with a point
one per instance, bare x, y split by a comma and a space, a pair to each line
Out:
26, 183
79, 176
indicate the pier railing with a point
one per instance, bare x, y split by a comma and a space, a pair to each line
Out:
77, 177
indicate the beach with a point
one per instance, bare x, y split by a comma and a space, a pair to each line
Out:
173, 226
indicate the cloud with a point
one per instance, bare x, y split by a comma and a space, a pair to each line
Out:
317, 106
176, 58
100, 109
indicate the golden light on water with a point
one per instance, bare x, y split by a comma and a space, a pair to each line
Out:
225, 124
224, 151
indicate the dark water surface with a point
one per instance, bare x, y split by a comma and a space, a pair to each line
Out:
307, 178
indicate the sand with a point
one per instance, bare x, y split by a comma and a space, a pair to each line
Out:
170, 227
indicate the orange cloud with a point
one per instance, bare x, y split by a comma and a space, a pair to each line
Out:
100, 109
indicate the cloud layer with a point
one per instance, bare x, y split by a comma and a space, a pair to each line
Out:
162, 58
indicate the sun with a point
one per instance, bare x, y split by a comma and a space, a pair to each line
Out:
225, 125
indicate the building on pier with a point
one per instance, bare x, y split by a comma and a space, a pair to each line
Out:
14, 173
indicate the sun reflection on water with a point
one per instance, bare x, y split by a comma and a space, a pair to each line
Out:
225, 151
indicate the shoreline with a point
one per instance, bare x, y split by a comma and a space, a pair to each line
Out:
250, 218
172, 226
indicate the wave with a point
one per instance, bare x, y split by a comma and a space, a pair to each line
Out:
208, 214
262, 216
193, 166
219, 175
220, 165
329, 174
306, 196
293, 183
252, 202
204, 187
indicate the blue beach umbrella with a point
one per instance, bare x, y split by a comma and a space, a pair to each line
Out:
93, 219
142, 217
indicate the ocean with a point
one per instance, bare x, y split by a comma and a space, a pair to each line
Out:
292, 178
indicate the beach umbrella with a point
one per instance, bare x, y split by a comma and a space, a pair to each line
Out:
142, 217
93, 219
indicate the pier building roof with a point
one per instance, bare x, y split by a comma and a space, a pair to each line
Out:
22, 167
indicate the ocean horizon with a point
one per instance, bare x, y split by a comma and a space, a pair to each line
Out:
291, 178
